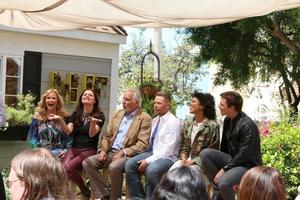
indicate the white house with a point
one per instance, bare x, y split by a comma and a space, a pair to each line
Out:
68, 60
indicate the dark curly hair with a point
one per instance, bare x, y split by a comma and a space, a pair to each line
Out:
208, 103
183, 183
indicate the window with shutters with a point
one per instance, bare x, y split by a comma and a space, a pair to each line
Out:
11, 71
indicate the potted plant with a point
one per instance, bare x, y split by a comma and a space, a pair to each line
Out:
18, 118
150, 87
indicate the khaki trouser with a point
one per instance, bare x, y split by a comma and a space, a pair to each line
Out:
99, 184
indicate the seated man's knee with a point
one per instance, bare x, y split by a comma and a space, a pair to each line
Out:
130, 165
223, 184
204, 153
150, 172
85, 164
112, 168
88, 162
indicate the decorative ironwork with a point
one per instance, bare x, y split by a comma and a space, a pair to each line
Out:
151, 52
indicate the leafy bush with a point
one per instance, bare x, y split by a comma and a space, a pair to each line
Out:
20, 114
281, 150
147, 106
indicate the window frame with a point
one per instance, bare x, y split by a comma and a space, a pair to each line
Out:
3, 76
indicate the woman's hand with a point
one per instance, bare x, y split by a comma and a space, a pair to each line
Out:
189, 162
94, 128
94, 120
183, 159
55, 117
66, 128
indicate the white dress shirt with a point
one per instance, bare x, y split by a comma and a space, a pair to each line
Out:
167, 141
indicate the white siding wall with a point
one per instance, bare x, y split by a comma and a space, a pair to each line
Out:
81, 66
15, 43
80, 56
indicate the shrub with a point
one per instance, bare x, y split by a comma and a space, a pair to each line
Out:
20, 114
281, 150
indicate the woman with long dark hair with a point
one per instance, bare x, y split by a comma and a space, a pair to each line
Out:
85, 125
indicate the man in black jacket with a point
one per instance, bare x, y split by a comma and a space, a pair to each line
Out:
240, 148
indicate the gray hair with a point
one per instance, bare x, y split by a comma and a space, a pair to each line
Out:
136, 95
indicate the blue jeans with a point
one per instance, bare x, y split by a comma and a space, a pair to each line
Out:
57, 151
153, 173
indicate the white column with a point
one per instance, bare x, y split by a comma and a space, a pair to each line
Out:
298, 197
157, 47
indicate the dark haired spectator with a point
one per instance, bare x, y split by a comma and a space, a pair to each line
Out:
262, 183
182, 183
200, 132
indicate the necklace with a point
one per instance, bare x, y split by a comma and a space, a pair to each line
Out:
85, 118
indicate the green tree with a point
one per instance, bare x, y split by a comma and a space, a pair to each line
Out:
261, 47
179, 71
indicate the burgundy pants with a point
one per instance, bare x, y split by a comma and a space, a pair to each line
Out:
73, 164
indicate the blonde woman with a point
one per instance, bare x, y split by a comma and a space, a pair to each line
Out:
48, 126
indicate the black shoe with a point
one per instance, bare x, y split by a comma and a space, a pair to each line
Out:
106, 197
86, 195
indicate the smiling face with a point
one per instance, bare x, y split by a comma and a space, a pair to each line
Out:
51, 101
88, 98
195, 106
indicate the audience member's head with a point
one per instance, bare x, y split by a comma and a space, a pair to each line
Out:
183, 183
38, 174
262, 183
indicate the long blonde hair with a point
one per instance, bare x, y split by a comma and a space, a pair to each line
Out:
41, 110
